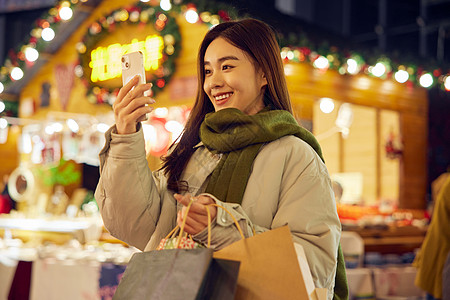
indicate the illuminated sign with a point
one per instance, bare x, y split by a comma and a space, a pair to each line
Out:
105, 61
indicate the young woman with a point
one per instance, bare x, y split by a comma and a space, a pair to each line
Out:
241, 148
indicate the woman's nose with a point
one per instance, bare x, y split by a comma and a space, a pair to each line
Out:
215, 80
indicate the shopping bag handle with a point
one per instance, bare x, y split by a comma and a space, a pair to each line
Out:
236, 223
229, 213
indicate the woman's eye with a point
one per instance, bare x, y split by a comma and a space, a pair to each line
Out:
226, 67
207, 72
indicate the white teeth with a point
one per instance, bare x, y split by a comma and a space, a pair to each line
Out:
223, 96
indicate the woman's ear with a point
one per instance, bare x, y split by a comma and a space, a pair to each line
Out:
263, 79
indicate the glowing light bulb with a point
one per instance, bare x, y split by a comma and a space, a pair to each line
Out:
165, 5
378, 70
31, 54
49, 130
2, 106
57, 127
426, 80
73, 125
447, 83
3, 123
326, 105
161, 112
16, 73
321, 62
48, 34
191, 16
352, 66
65, 13
2, 87
102, 127
401, 76
290, 55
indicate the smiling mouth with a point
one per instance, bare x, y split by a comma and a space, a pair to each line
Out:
222, 97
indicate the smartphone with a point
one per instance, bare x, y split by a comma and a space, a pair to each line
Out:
132, 65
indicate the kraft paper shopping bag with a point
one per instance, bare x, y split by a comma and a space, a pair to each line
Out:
269, 267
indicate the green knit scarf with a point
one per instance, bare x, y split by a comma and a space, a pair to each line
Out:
239, 137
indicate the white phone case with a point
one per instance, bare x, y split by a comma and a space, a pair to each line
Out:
132, 65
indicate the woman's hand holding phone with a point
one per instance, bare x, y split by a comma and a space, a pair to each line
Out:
130, 106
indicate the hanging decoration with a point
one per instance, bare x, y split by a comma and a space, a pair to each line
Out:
160, 51
298, 48
64, 75
393, 146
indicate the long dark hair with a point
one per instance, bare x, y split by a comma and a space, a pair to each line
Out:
258, 41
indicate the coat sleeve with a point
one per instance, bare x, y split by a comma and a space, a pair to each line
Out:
128, 194
289, 185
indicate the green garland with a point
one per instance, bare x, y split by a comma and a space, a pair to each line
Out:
297, 46
136, 16
11, 109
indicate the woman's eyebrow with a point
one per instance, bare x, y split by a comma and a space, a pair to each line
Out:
222, 59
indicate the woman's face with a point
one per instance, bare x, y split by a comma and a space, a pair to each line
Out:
231, 79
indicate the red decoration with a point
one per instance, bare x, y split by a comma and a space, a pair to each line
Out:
393, 146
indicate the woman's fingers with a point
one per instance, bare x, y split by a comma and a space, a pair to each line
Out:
197, 216
192, 225
134, 105
127, 96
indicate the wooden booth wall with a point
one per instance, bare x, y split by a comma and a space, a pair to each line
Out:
180, 91
307, 84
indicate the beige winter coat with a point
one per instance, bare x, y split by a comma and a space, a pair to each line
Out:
289, 184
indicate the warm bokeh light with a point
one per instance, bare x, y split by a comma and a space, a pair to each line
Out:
321, 62
2, 87
165, 5
73, 125
57, 127
401, 76
48, 34
447, 83
102, 127
352, 66
426, 80
326, 105
65, 13
378, 70
31, 54
191, 16
161, 112
3, 123
16, 73
2, 106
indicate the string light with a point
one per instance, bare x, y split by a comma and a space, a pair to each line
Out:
2, 87
191, 16
447, 83
31, 54
2, 106
426, 80
401, 76
321, 63
65, 13
378, 70
48, 34
352, 66
16, 73
165, 5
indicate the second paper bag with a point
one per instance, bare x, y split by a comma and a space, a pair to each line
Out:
269, 267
